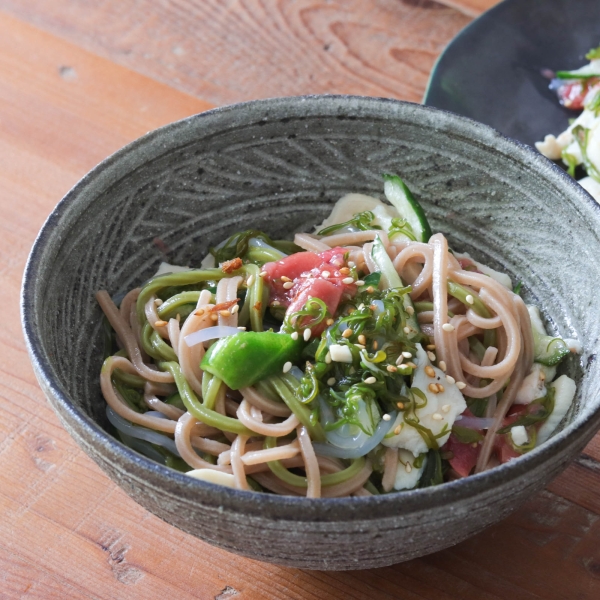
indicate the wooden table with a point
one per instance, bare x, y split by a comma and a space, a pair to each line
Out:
77, 81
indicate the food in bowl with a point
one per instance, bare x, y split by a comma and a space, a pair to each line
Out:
363, 359
579, 144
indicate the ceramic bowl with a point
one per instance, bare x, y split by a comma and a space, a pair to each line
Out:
493, 70
279, 165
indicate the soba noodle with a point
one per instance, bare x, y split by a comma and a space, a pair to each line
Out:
369, 387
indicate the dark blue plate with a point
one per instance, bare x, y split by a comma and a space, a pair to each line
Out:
492, 71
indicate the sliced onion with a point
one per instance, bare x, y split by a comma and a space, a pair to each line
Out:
296, 372
141, 433
259, 243
347, 437
368, 445
155, 413
210, 333
474, 422
143, 447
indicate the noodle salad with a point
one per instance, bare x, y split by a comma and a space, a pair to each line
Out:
579, 145
363, 359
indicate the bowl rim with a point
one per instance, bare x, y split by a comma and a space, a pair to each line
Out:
188, 489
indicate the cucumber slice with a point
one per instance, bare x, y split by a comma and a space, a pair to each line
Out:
391, 279
548, 350
564, 393
408, 208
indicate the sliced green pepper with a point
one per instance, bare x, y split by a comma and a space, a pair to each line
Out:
243, 359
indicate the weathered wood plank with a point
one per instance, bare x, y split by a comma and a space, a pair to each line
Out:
472, 8
66, 530
226, 52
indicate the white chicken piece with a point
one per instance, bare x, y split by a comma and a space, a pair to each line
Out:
440, 412
533, 386
550, 147
407, 475
519, 435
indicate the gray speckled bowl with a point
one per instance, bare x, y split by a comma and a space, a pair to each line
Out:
278, 165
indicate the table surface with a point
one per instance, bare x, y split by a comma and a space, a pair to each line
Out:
80, 79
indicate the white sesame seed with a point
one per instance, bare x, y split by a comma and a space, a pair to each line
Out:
325, 274
407, 330
275, 303
347, 280
284, 278
446, 408
158, 302
234, 309
331, 381
359, 282
470, 299
370, 380
410, 310
386, 417
242, 328
431, 356
287, 366
307, 334
160, 323
448, 327
328, 358
288, 285
250, 280
294, 335
407, 467
399, 360
436, 417
351, 264
442, 365
461, 385
361, 306
450, 379
407, 354
398, 429
337, 263
262, 274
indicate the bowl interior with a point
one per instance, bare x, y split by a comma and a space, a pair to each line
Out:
279, 166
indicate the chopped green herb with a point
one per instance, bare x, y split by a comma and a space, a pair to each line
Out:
593, 53
361, 221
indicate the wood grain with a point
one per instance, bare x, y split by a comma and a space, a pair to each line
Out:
68, 532
472, 8
375, 48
